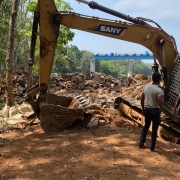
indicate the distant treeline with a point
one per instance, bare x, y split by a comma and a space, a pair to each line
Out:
79, 61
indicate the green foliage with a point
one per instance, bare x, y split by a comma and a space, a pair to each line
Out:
79, 61
66, 35
31, 6
5, 9
75, 61
119, 68
85, 61
109, 68
140, 68
23, 33
2, 105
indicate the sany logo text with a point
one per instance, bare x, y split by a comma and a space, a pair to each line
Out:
115, 30
110, 29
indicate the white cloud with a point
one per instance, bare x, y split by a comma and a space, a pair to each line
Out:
151, 9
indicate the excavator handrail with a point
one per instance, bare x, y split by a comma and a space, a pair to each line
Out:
93, 17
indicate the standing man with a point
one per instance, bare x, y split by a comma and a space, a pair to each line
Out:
151, 101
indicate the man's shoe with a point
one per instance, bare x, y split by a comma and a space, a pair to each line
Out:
142, 146
153, 150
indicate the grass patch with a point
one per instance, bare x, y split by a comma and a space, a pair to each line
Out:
2, 123
2, 105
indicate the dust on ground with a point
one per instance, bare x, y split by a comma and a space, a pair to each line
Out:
106, 153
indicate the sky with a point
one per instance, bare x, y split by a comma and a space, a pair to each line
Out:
164, 12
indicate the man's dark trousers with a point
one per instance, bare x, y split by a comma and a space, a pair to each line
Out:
151, 114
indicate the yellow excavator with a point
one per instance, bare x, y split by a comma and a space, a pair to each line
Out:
57, 112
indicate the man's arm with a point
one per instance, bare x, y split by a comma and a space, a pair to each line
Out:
142, 101
160, 100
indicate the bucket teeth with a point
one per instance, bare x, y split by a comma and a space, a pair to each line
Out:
79, 96
82, 100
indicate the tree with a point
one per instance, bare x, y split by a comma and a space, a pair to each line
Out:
69, 62
65, 36
119, 68
9, 55
5, 9
22, 36
85, 61
141, 68
109, 68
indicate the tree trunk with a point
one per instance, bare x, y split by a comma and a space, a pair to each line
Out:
9, 55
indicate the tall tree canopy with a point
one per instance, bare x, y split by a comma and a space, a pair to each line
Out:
67, 58
23, 32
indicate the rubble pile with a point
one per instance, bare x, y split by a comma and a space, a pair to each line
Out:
19, 84
99, 90
97, 87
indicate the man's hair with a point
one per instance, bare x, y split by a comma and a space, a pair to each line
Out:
156, 77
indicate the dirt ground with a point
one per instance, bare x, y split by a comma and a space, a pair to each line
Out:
107, 152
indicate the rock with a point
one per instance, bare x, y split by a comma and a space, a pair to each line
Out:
52, 85
102, 122
61, 85
110, 117
20, 70
54, 75
11, 121
93, 123
26, 115
23, 108
139, 76
36, 121
5, 111
13, 111
20, 90
1, 144
19, 99
21, 80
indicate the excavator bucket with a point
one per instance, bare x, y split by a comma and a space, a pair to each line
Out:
61, 111
57, 112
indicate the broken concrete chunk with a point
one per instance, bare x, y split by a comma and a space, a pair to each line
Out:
93, 123
24, 108
13, 111
5, 111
